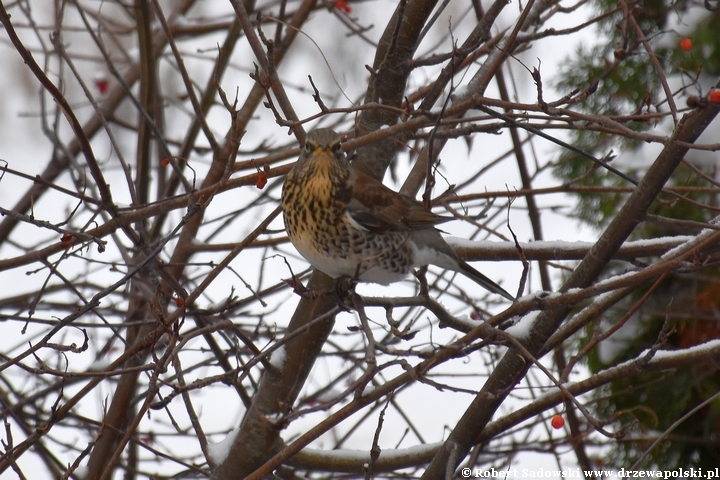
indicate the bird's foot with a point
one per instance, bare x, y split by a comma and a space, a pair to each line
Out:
344, 288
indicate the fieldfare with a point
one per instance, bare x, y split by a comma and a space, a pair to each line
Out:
347, 223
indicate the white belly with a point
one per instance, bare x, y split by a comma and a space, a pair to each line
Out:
347, 266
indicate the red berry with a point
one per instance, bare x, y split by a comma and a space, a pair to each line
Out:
714, 95
686, 44
342, 5
261, 180
102, 86
557, 422
66, 240
165, 162
101, 82
179, 301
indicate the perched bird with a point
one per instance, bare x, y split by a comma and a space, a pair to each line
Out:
347, 223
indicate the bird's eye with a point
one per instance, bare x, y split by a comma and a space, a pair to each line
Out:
308, 147
337, 148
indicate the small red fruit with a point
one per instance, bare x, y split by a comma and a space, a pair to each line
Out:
557, 422
165, 162
179, 301
714, 95
686, 44
101, 82
66, 240
342, 5
261, 180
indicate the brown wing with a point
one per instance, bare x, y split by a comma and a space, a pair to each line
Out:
376, 207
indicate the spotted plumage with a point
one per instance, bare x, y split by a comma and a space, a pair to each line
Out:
347, 223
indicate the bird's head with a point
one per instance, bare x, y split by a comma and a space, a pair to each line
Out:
323, 150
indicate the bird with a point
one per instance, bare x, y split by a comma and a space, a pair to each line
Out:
347, 223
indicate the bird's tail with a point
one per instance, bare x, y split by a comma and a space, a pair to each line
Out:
483, 281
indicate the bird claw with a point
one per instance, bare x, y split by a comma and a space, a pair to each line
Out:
344, 288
